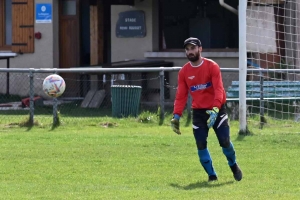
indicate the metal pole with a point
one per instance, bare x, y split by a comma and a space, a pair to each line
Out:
228, 7
162, 94
7, 76
189, 106
31, 97
242, 65
141, 69
55, 117
261, 102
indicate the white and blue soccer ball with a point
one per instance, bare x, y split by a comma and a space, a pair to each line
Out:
54, 85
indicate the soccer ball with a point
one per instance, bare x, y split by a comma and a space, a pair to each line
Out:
54, 85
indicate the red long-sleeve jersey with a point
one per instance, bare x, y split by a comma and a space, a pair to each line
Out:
204, 82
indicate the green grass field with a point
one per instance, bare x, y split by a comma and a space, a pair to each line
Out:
106, 158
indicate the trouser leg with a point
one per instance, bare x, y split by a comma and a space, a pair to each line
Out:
222, 131
200, 131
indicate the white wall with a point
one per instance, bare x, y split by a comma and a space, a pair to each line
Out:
134, 48
45, 56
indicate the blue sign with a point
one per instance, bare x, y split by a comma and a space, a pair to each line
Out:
43, 13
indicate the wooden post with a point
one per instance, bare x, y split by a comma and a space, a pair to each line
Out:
96, 32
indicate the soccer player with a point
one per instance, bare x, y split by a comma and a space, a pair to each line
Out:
201, 77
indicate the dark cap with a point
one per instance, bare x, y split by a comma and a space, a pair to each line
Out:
193, 41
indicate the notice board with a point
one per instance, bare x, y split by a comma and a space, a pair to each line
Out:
131, 24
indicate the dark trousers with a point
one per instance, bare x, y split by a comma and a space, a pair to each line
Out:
220, 127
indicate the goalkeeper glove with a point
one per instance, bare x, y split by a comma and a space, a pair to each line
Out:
213, 116
175, 124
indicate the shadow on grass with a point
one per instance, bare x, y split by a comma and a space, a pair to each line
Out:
53, 127
240, 137
203, 184
28, 123
29, 128
242, 134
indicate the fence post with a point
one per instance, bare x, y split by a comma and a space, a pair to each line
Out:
162, 94
189, 106
55, 119
261, 102
31, 97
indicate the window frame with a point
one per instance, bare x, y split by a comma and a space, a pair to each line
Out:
161, 38
3, 46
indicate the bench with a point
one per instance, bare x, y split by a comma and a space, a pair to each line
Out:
258, 91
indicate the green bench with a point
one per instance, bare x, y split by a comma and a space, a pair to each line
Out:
275, 91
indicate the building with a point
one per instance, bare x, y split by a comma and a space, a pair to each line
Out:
79, 33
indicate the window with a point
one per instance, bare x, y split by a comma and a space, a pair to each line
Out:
69, 7
16, 25
8, 21
215, 26
5, 24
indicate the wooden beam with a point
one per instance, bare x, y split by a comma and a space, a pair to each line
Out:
93, 35
100, 31
96, 33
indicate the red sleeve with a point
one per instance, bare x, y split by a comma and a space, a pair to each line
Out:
181, 94
218, 85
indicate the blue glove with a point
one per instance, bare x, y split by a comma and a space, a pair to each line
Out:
175, 124
213, 116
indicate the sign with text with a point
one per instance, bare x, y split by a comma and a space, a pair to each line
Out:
43, 13
131, 24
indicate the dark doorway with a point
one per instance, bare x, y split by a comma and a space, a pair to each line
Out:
69, 42
85, 33
69, 33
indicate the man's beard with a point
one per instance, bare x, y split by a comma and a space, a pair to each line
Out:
194, 58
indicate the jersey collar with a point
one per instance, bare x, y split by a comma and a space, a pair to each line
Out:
197, 65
